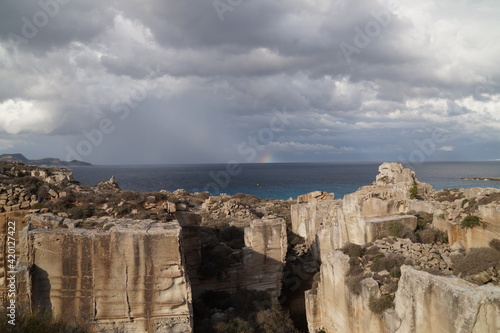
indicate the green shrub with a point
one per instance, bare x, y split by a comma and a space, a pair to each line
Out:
421, 223
395, 229
444, 238
441, 216
470, 222
379, 304
401, 231
414, 192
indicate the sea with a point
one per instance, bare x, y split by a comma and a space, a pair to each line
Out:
281, 180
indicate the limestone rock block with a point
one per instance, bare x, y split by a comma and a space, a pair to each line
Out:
381, 227
130, 277
394, 173
430, 303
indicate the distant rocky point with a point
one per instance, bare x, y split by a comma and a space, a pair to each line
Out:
47, 161
481, 178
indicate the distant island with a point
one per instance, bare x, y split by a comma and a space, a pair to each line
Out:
481, 178
47, 161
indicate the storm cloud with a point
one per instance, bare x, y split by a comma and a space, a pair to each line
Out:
128, 82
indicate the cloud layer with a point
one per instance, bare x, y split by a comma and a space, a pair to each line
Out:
200, 81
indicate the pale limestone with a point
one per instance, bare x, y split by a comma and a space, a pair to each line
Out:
130, 277
263, 259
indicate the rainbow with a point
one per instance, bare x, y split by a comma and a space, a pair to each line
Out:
266, 158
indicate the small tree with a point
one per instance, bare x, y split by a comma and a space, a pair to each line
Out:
470, 222
413, 192
275, 320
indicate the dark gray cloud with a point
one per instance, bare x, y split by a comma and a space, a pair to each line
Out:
169, 81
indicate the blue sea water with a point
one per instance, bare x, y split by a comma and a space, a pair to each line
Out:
281, 180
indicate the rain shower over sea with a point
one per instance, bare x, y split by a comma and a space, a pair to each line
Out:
282, 180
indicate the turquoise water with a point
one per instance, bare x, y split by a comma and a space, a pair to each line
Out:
281, 180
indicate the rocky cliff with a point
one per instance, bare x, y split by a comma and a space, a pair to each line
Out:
128, 277
260, 266
357, 218
357, 294
123, 261
423, 303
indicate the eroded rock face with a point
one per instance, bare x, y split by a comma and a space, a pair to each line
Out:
334, 308
56, 177
263, 259
423, 303
350, 219
429, 303
394, 173
130, 277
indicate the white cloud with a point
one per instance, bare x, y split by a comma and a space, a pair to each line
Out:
19, 116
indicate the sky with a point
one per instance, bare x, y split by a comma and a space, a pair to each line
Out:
250, 81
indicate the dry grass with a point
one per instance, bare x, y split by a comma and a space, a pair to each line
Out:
476, 260
352, 250
379, 304
354, 283
38, 322
390, 262
429, 235
495, 244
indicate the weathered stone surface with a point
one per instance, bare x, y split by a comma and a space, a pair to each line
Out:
381, 226
57, 177
107, 185
315, 196
337, 309
429, 303
423, 303
348, 220
130, 277
366, 215
263, 259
